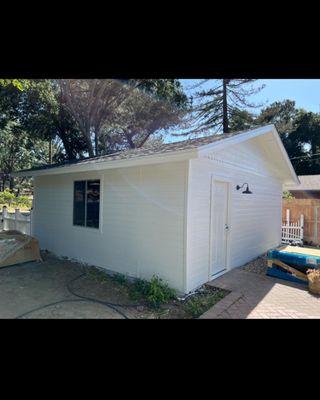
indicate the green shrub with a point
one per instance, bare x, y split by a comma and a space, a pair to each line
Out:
8, 198
287, 195
120, 278
23, 201
155, 291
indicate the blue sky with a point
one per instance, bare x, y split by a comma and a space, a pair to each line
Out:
305, 92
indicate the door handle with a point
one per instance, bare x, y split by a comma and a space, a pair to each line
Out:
226, 227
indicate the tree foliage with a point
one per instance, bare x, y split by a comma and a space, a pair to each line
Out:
150, 109
19, 151
222, 101
299, 131
21, 84
122, 113
92, 102
44, 115
70, 119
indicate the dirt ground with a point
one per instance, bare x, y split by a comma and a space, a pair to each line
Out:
60, 288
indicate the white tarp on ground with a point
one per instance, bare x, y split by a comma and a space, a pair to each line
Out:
16, 248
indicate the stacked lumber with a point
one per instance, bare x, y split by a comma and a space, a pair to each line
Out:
292, 263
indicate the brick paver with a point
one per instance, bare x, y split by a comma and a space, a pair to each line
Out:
258, 296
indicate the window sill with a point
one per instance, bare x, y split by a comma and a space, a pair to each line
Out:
87, 228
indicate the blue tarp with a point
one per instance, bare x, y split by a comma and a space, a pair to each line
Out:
300, 262
278, 272
304, 261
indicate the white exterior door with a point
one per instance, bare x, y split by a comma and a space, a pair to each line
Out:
219, 226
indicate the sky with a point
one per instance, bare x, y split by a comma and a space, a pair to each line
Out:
305, 92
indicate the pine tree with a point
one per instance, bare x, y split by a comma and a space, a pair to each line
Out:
226, 97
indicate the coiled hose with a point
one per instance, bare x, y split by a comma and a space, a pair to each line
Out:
108, 304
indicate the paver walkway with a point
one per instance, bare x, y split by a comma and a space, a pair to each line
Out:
260, 296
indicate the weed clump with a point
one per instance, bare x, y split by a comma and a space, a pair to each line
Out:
155, 292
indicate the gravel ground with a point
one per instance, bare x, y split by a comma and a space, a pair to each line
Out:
258, 265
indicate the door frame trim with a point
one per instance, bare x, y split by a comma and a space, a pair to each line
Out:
228, 181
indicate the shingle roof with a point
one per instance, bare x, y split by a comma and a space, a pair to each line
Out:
164, 148
308, 182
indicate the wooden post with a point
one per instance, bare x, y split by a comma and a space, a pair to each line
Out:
30, 223
4, 217
16, 218
301, 226
288, 216
50, 151
315, 225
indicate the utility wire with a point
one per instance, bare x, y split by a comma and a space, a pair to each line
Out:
312, 155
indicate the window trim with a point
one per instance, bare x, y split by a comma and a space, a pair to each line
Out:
99, 228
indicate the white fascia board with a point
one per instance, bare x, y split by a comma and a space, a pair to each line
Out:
292, 177
111, 164
241, 137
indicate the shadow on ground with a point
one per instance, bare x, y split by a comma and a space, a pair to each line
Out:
255, 295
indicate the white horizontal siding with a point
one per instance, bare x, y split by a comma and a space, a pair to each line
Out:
255, 220
142, 221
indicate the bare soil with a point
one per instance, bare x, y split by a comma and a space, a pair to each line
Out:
61, 288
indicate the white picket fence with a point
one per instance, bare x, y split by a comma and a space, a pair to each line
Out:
17, 221
292, 232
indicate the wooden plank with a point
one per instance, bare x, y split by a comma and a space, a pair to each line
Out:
294, 272
277, 273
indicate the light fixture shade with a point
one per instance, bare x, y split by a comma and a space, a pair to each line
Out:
246, 191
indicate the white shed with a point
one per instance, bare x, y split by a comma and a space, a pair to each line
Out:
174, 210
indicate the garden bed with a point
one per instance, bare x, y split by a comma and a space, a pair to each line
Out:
150, 299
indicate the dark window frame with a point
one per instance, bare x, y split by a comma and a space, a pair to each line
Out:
86, 202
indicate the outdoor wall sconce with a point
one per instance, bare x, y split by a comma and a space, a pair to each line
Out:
246, 191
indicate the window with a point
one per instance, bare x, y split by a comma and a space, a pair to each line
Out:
86, 203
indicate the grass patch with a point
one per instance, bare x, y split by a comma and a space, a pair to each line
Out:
203, 301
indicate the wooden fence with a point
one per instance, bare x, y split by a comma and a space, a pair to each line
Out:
17, 221
310, 209
292, 231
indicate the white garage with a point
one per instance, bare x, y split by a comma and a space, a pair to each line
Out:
186, 211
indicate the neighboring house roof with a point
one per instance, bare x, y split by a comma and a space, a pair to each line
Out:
307, 182
162, 153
